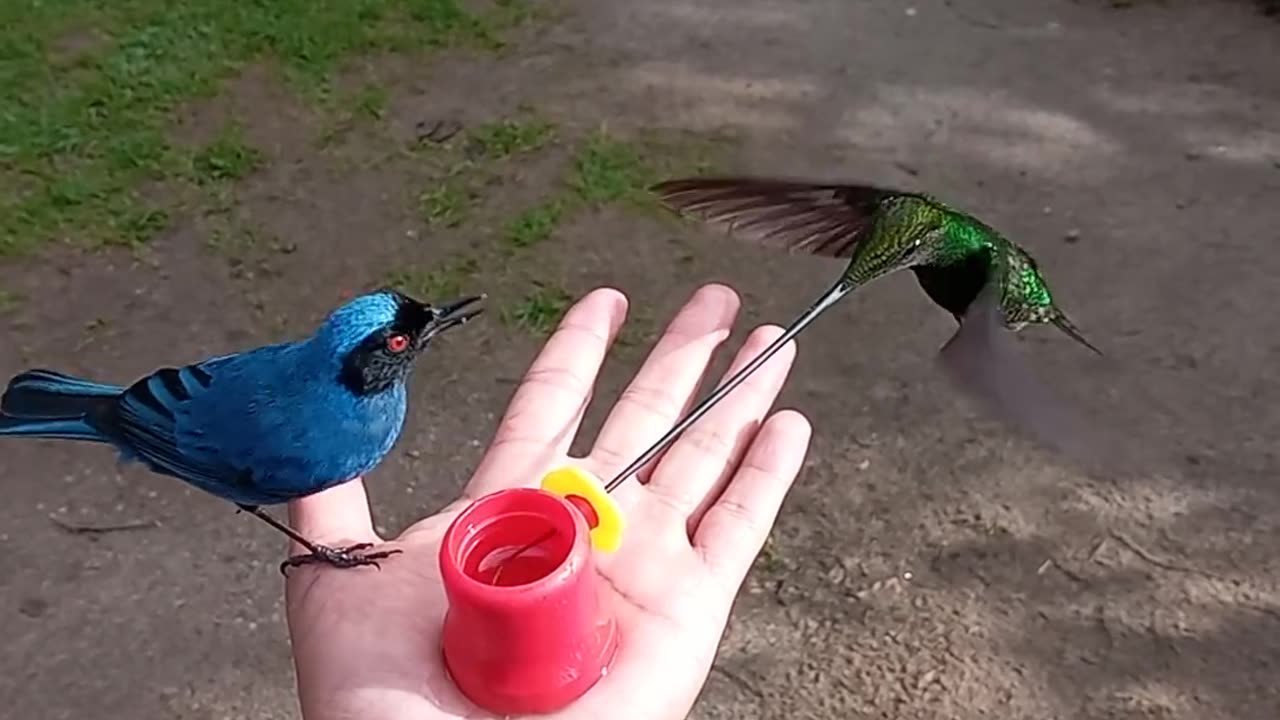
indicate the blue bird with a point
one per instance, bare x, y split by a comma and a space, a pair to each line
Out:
259, 427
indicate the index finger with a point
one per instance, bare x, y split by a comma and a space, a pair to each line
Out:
547, 408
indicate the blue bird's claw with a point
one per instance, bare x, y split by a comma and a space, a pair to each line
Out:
347, 557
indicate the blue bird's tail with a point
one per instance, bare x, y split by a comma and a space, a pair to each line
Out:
48, 404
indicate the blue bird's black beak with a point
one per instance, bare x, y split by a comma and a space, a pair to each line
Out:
451, 315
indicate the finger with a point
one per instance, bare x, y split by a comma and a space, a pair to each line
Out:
696, 468
668, 381
335, 517
735, 527
546, 409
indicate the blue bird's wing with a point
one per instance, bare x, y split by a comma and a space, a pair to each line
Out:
151, 422
257, 428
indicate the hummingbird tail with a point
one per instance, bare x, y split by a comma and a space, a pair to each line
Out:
1065, 325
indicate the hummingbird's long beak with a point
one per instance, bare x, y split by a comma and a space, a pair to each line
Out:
451, 315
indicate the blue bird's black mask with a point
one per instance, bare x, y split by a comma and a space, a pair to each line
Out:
385, 356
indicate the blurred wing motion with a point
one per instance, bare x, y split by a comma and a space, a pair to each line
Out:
984, 361
801, 217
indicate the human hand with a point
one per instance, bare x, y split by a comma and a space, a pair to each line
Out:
366, 644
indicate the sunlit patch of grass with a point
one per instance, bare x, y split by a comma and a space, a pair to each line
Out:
449, 280
540, 310
447, 203
507, 137
608, 169
535, 224
228, 157
81, 129
9, 301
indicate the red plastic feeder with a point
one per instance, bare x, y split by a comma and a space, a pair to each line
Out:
528, 635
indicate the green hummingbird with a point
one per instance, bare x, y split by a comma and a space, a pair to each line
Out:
990, 285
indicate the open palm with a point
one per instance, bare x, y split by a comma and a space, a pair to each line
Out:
367, 643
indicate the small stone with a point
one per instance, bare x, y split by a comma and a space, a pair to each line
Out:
1072, 236
33, 607
437, 132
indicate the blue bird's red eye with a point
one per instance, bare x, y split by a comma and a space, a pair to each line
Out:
398, 343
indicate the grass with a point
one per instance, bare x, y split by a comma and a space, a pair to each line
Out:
447, 203
450, 280
84, 116
539, 310
610, 170
504, 138
371, 101
604, 169
247, 250
227, 158
535, 224
9, 301
233, 243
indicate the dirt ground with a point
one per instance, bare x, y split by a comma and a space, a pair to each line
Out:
926, 565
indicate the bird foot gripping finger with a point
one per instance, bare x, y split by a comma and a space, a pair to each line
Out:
347, 557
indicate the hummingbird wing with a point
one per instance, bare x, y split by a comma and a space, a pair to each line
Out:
983, 359
827, 220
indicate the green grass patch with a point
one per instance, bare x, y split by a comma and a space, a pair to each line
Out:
371, 101
504, 138
535, 224
447, 203
88, 91
368, 103
9, 301
539, 310
448, 281
604, 170
608, 169
233, 243
228, 157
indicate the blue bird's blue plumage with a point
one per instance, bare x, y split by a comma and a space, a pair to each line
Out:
258, 427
